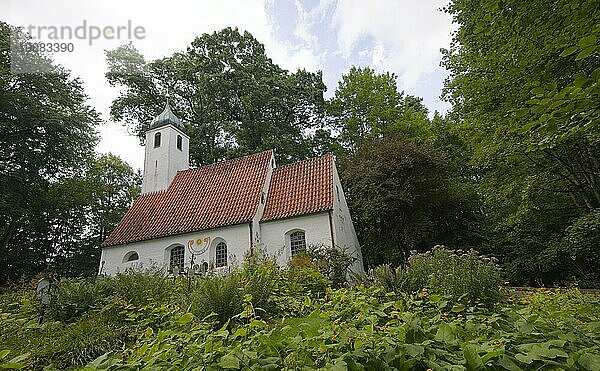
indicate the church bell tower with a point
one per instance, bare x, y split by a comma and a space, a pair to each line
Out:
167, 151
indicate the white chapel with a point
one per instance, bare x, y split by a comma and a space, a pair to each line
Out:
213, 216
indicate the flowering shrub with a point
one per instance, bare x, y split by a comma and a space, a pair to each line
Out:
461, 274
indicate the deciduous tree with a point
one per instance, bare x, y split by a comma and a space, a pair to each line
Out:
233, 98
523, 84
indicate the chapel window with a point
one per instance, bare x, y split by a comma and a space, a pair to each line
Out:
297, 242
221, 255
179, 142
177, 258
156, 140
131, 256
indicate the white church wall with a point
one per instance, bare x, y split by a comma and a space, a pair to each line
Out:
156, 252
344, 232
162, 163
275, 234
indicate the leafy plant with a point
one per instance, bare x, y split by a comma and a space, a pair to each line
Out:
140, 288
74, 298
361, 327
369, 328
462, 275
332, 261
217, 295
259, 279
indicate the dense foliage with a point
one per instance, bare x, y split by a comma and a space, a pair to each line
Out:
405, 196
464, 275
259, 318
524, 88
57, 198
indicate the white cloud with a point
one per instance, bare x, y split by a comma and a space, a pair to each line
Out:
407, 36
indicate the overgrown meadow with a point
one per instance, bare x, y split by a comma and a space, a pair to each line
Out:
444, 311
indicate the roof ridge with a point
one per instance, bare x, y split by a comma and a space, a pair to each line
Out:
301, 188
235, 159
305, 160
154, 193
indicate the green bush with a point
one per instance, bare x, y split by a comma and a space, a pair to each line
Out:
140, 288
259, 279
463, 275
78, 343
219, 295
303, 276
580, 250
85, 334
460, 274
333, 262
75, 297
308, 281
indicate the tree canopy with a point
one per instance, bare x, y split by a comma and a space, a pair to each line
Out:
54, 189
234, 99
523, 84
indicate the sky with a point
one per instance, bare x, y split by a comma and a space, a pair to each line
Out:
399, 36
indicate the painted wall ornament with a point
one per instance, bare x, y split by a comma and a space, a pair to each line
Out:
198, 246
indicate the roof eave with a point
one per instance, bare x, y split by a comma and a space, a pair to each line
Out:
103, 245
296, 215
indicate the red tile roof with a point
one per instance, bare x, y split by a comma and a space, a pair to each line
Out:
210, 196
305, 187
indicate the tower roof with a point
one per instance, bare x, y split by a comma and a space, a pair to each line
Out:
165, 118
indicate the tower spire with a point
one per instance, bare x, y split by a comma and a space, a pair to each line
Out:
166, 117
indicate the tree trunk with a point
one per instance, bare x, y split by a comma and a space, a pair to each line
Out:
8, 234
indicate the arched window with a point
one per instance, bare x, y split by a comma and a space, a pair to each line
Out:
179, 142
130, 256
221, 255
297, 242
176, 258
156, 140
